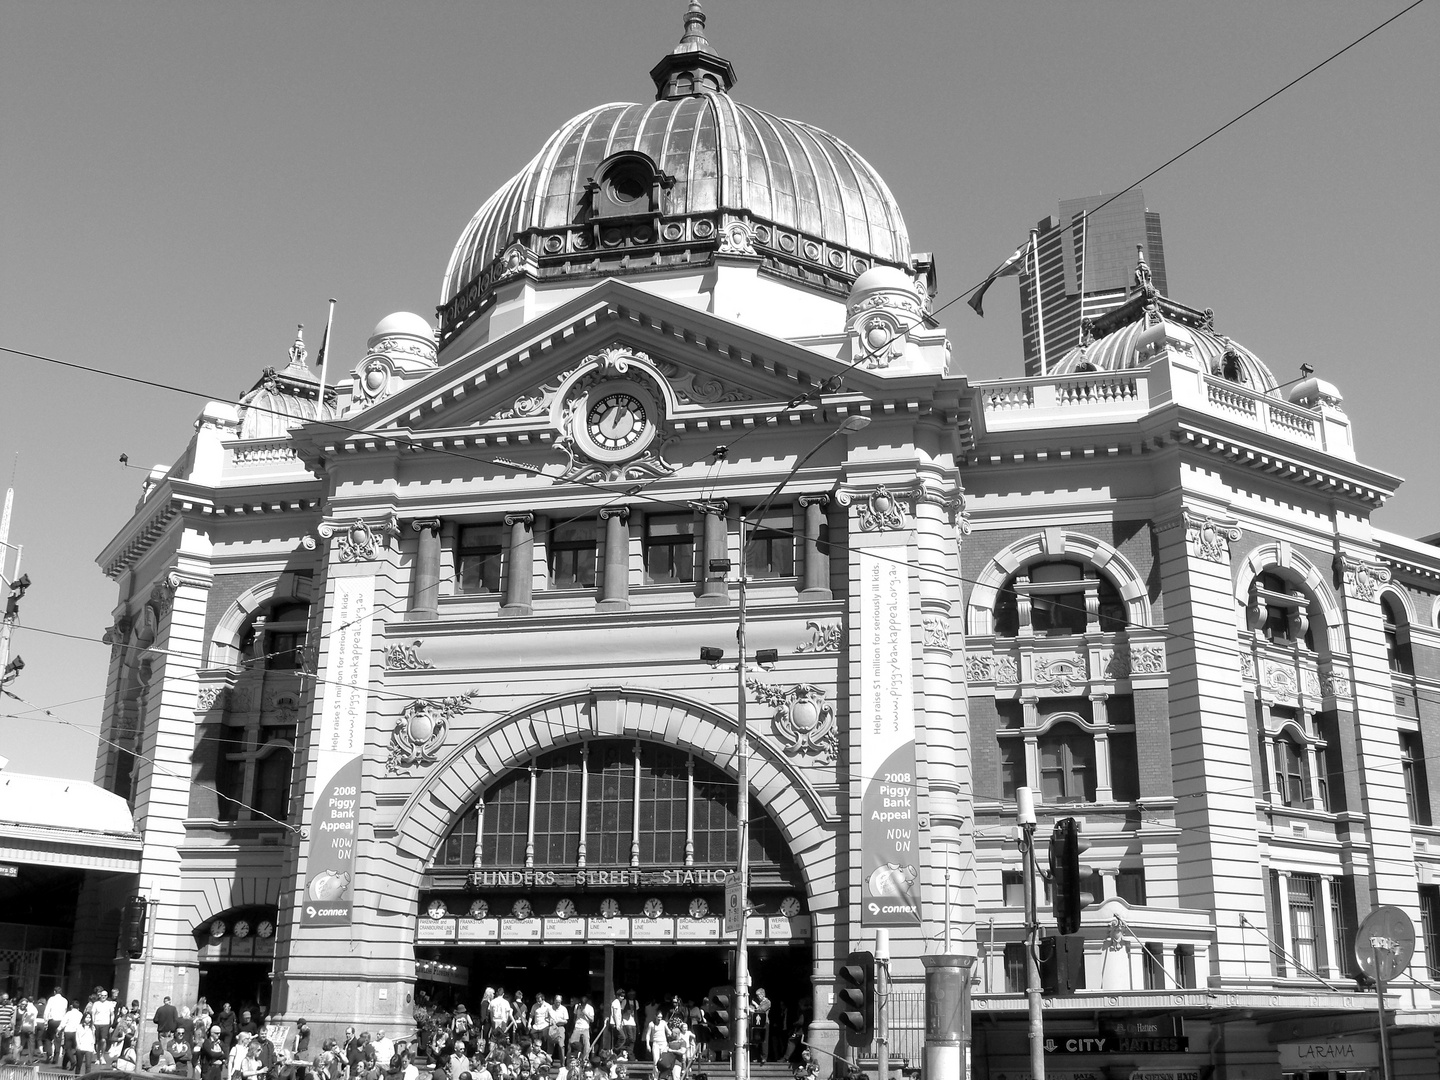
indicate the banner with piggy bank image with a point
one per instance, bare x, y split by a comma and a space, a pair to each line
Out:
889, 836
340, 740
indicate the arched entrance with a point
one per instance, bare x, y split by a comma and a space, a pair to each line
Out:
595, 859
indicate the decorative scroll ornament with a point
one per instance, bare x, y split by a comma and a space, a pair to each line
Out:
1360, 579
117, 636
359, 540
211, 697
421, 730
1007, 671
644, 456
879, 510
693, 389
737, 238
1126, 660
402, 657
803, 720
1061, 672
977, 668
1334, 685
1280, 680
1247, 668
937, 632
1210, 538
824, 637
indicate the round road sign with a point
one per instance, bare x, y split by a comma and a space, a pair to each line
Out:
1385, 943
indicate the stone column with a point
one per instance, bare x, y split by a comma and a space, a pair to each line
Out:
815, 585
425, 598
714, 589
615, 578
518, 568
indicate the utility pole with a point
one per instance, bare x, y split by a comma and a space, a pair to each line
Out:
17, 586
742, 818
882, 1003
1025, 819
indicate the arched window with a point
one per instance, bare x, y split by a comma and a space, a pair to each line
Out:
1058, 597
1397, 636
1067, 764
597, 781
1292, 771
275, 637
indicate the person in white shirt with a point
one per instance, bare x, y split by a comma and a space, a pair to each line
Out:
540, 1022
384, 1050
102, 1011
501, 1017
580, 1033
559, 1020
617, 1021
68, 1027
657, 1038
54, 1016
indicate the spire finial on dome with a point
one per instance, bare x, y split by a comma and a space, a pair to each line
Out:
297, 351
693, 65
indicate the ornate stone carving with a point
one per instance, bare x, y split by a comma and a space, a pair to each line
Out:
1247, 667
211, 697
977, 668
1061, 672
1147, 660
1209, 537
737, 238
1116, 663
162, 595
1310, 682
284, 702
239, 700
360, 540
1333, 685
937, 632
402, 657
1007, 670
117, 636
881, 509
421, 730
693, 389
1360, 580
804, 721
824, 637
1280, 679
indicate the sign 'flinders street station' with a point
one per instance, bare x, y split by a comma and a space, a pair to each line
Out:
427, 682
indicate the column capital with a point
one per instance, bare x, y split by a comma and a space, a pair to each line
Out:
432, 524
523, 517
608, 512
820, 499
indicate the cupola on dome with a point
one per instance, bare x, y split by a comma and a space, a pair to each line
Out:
626, 188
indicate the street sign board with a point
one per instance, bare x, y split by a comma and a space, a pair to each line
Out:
6, 870
734, 909
1385, 943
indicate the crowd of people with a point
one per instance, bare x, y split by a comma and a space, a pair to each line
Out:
505, 1038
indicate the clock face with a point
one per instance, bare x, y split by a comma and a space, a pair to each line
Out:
565, 909
437, 909
479, 909
242, 928
653, 908
610, 907
699, 908
217, 928
618, 421
522, 909
789, 907
266, 929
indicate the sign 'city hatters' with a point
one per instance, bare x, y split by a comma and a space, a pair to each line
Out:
330, 856
889, 834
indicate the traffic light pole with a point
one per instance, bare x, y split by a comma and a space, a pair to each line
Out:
151, 904
742, 818
882, 1003
1025, 817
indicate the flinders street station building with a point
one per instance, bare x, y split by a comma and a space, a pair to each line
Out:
428, 681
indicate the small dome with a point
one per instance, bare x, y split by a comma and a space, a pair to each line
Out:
281, 400
1132, 335
403, 322
882, 277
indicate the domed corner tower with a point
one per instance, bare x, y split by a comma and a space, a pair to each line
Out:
771, 220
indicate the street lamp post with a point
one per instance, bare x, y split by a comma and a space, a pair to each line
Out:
1025, 819
742, 767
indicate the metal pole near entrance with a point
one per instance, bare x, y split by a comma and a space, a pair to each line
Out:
742, 818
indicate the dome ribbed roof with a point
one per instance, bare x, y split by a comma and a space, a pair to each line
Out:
1129, 336
284, 399
723, 156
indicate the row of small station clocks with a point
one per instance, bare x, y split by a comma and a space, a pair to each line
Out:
653, 908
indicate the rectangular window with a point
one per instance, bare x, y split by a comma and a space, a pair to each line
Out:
1304, 928
1292, 773
557, 812
1430, 926
670, 548
1012, 766
571, 552
1185, 966
1012, 886
1124, 767
716, 842
610, 817
664, 787
230, 775
1014, 967
1067, 765
1154, 965
1343, 923
770, 546
272, 774
477, 559
1277, 928
1412, 767
1130, 885
507, 825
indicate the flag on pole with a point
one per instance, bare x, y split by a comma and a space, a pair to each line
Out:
324, 345
1009, 268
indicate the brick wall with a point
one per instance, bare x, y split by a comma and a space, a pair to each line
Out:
985, 749
1152, 743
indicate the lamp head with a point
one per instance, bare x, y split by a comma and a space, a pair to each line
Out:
711, 655
854, 423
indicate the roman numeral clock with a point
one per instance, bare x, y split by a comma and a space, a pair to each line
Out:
611, 418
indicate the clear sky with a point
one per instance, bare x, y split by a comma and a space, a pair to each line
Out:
184, 182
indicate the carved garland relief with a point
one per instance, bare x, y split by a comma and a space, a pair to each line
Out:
420, 732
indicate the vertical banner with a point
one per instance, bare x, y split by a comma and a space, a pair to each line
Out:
340, 742
889, 836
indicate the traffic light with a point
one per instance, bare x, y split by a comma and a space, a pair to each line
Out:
17, 593
855, 997
717, 1013
132, 927
1067, 876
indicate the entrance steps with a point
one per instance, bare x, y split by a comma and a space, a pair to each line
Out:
723, 1070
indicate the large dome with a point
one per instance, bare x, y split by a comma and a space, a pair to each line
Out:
694, 165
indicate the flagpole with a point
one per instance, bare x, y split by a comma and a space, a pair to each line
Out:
1039, 304
325, 358
1084, 258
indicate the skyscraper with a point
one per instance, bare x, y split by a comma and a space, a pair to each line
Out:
1089, 250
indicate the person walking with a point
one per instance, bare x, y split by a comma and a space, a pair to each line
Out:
580, 1032
102, 1011
52, 1042
85, 1044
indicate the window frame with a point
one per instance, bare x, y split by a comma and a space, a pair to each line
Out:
486, 554
558, 549
652, 543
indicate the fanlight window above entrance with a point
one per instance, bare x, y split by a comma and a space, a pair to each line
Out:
613, 803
